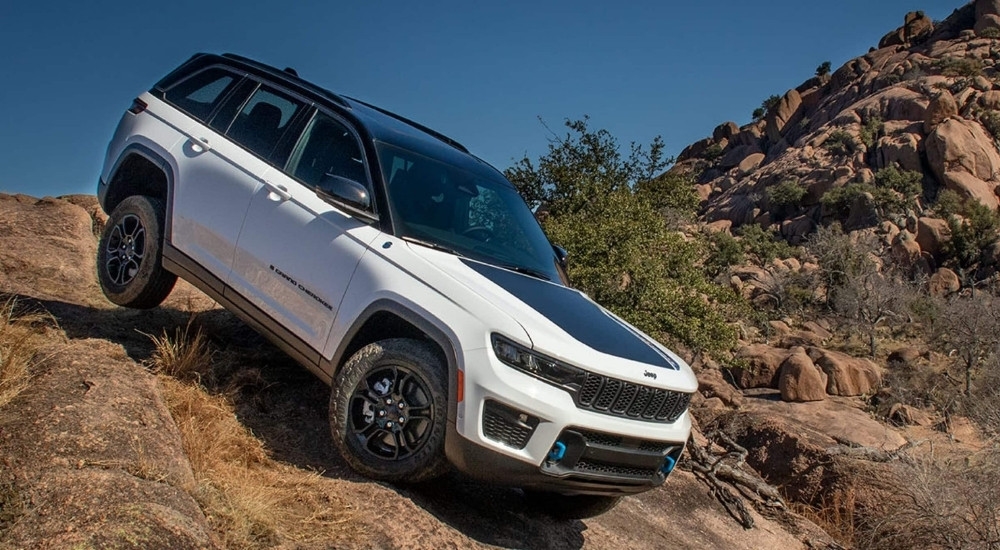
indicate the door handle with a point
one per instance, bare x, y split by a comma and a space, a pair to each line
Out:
200, 145
277, 192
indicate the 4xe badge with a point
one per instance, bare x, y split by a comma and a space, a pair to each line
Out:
648, 374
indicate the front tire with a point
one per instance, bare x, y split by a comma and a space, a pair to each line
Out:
130, 255
389, 409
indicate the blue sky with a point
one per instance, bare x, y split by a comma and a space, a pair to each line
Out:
479, 72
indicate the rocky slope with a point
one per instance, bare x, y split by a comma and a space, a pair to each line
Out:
927, 100
90, 455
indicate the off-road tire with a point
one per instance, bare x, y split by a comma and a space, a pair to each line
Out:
569, 507
130, 255
380, 383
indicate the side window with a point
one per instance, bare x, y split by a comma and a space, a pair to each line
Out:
327, 148
263, 119
200, 93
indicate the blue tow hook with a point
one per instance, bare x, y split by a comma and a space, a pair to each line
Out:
558, 451
668, 465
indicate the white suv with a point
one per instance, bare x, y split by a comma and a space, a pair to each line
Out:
402, 270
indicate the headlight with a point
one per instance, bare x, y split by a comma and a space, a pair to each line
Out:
550, 370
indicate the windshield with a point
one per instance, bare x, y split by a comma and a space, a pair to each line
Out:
474, 214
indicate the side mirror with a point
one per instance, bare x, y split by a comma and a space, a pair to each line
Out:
347, 190
561, 255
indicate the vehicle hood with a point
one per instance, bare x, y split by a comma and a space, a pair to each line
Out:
566, 324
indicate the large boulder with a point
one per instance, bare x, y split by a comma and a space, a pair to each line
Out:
941, 108
779, 117
943, 282
761, 366
964, 159
917, 27
848, 376
931, 235
800, 379
726, 131
902, 150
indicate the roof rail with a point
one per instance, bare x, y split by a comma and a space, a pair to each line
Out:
417, 125
290, 76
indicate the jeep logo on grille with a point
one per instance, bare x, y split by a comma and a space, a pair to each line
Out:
648, 374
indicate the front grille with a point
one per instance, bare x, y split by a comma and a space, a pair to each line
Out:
617, 441
506, 425
614, 469
615, 397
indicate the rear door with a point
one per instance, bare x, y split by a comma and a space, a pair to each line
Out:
220, 167
298, 249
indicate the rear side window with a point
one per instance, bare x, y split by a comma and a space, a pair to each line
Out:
199, 94
263, 120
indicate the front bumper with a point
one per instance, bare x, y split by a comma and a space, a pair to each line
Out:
514, 429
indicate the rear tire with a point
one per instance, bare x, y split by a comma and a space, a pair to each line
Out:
389, 409
130, 255
570, 507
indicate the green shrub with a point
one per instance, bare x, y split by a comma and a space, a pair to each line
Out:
970, 235
966, 67
873, 129
908, 183
948, 203
767, 105
724, 251
785, 197
763, 245
672, 191
991, 121
991, 32
840, 143
713, 152
823, 69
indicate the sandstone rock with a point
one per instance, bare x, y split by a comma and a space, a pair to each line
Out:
712, 384
763, 366
987, 25
800, 380
704, 191
779, 117
932, 234
796, 229
990, 100
738, 208
725, 130
848, 376
986, 7
906, 415
964, 159
906, 357
943, 282
982, 83
940, 109
694, 150
721, 226
750, 162
905, 249
903, 150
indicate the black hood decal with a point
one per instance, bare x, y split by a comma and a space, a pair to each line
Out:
579, 317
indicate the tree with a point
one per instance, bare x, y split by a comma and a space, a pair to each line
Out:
605, 209
968, 330
823, 69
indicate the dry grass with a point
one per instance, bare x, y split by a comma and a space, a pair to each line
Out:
250, 500
19, 342
184, 356
835, 515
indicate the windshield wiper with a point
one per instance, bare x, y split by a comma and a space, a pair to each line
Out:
432, 245
526, 271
